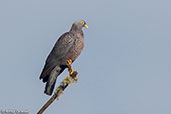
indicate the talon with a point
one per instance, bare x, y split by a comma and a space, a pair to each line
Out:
70, 70
69, 62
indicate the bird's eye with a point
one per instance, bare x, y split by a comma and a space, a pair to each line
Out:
82, 22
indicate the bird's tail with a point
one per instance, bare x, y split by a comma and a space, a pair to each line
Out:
50, 86
52, 80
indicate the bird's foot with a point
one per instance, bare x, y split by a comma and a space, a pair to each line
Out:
70, 69
69, 62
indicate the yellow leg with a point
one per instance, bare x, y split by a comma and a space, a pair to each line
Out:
70, 69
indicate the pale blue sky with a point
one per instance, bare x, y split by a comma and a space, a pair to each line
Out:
125, 67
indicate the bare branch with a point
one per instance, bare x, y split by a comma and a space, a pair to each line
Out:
59, 90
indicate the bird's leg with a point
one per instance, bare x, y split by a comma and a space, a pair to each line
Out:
70, 70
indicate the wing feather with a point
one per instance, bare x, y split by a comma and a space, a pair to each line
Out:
62, 46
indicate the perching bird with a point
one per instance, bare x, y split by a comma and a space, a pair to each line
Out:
67, 48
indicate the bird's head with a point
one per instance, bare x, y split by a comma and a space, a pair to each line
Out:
78, 25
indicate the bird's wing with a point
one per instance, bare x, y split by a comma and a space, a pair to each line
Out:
60, 49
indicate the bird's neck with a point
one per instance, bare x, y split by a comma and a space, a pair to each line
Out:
75, 29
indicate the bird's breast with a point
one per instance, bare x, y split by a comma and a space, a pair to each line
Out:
76, 49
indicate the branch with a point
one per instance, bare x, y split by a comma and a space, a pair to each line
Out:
59, 90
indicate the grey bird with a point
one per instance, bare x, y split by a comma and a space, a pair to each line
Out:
67, 47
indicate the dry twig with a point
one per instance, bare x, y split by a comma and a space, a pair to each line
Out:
59, 90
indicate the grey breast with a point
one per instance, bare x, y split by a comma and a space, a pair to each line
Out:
77, 47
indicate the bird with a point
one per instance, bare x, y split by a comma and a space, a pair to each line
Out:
66, 50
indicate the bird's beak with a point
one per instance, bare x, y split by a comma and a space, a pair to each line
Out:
85, 26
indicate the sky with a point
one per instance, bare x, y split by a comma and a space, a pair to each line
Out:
125, 67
